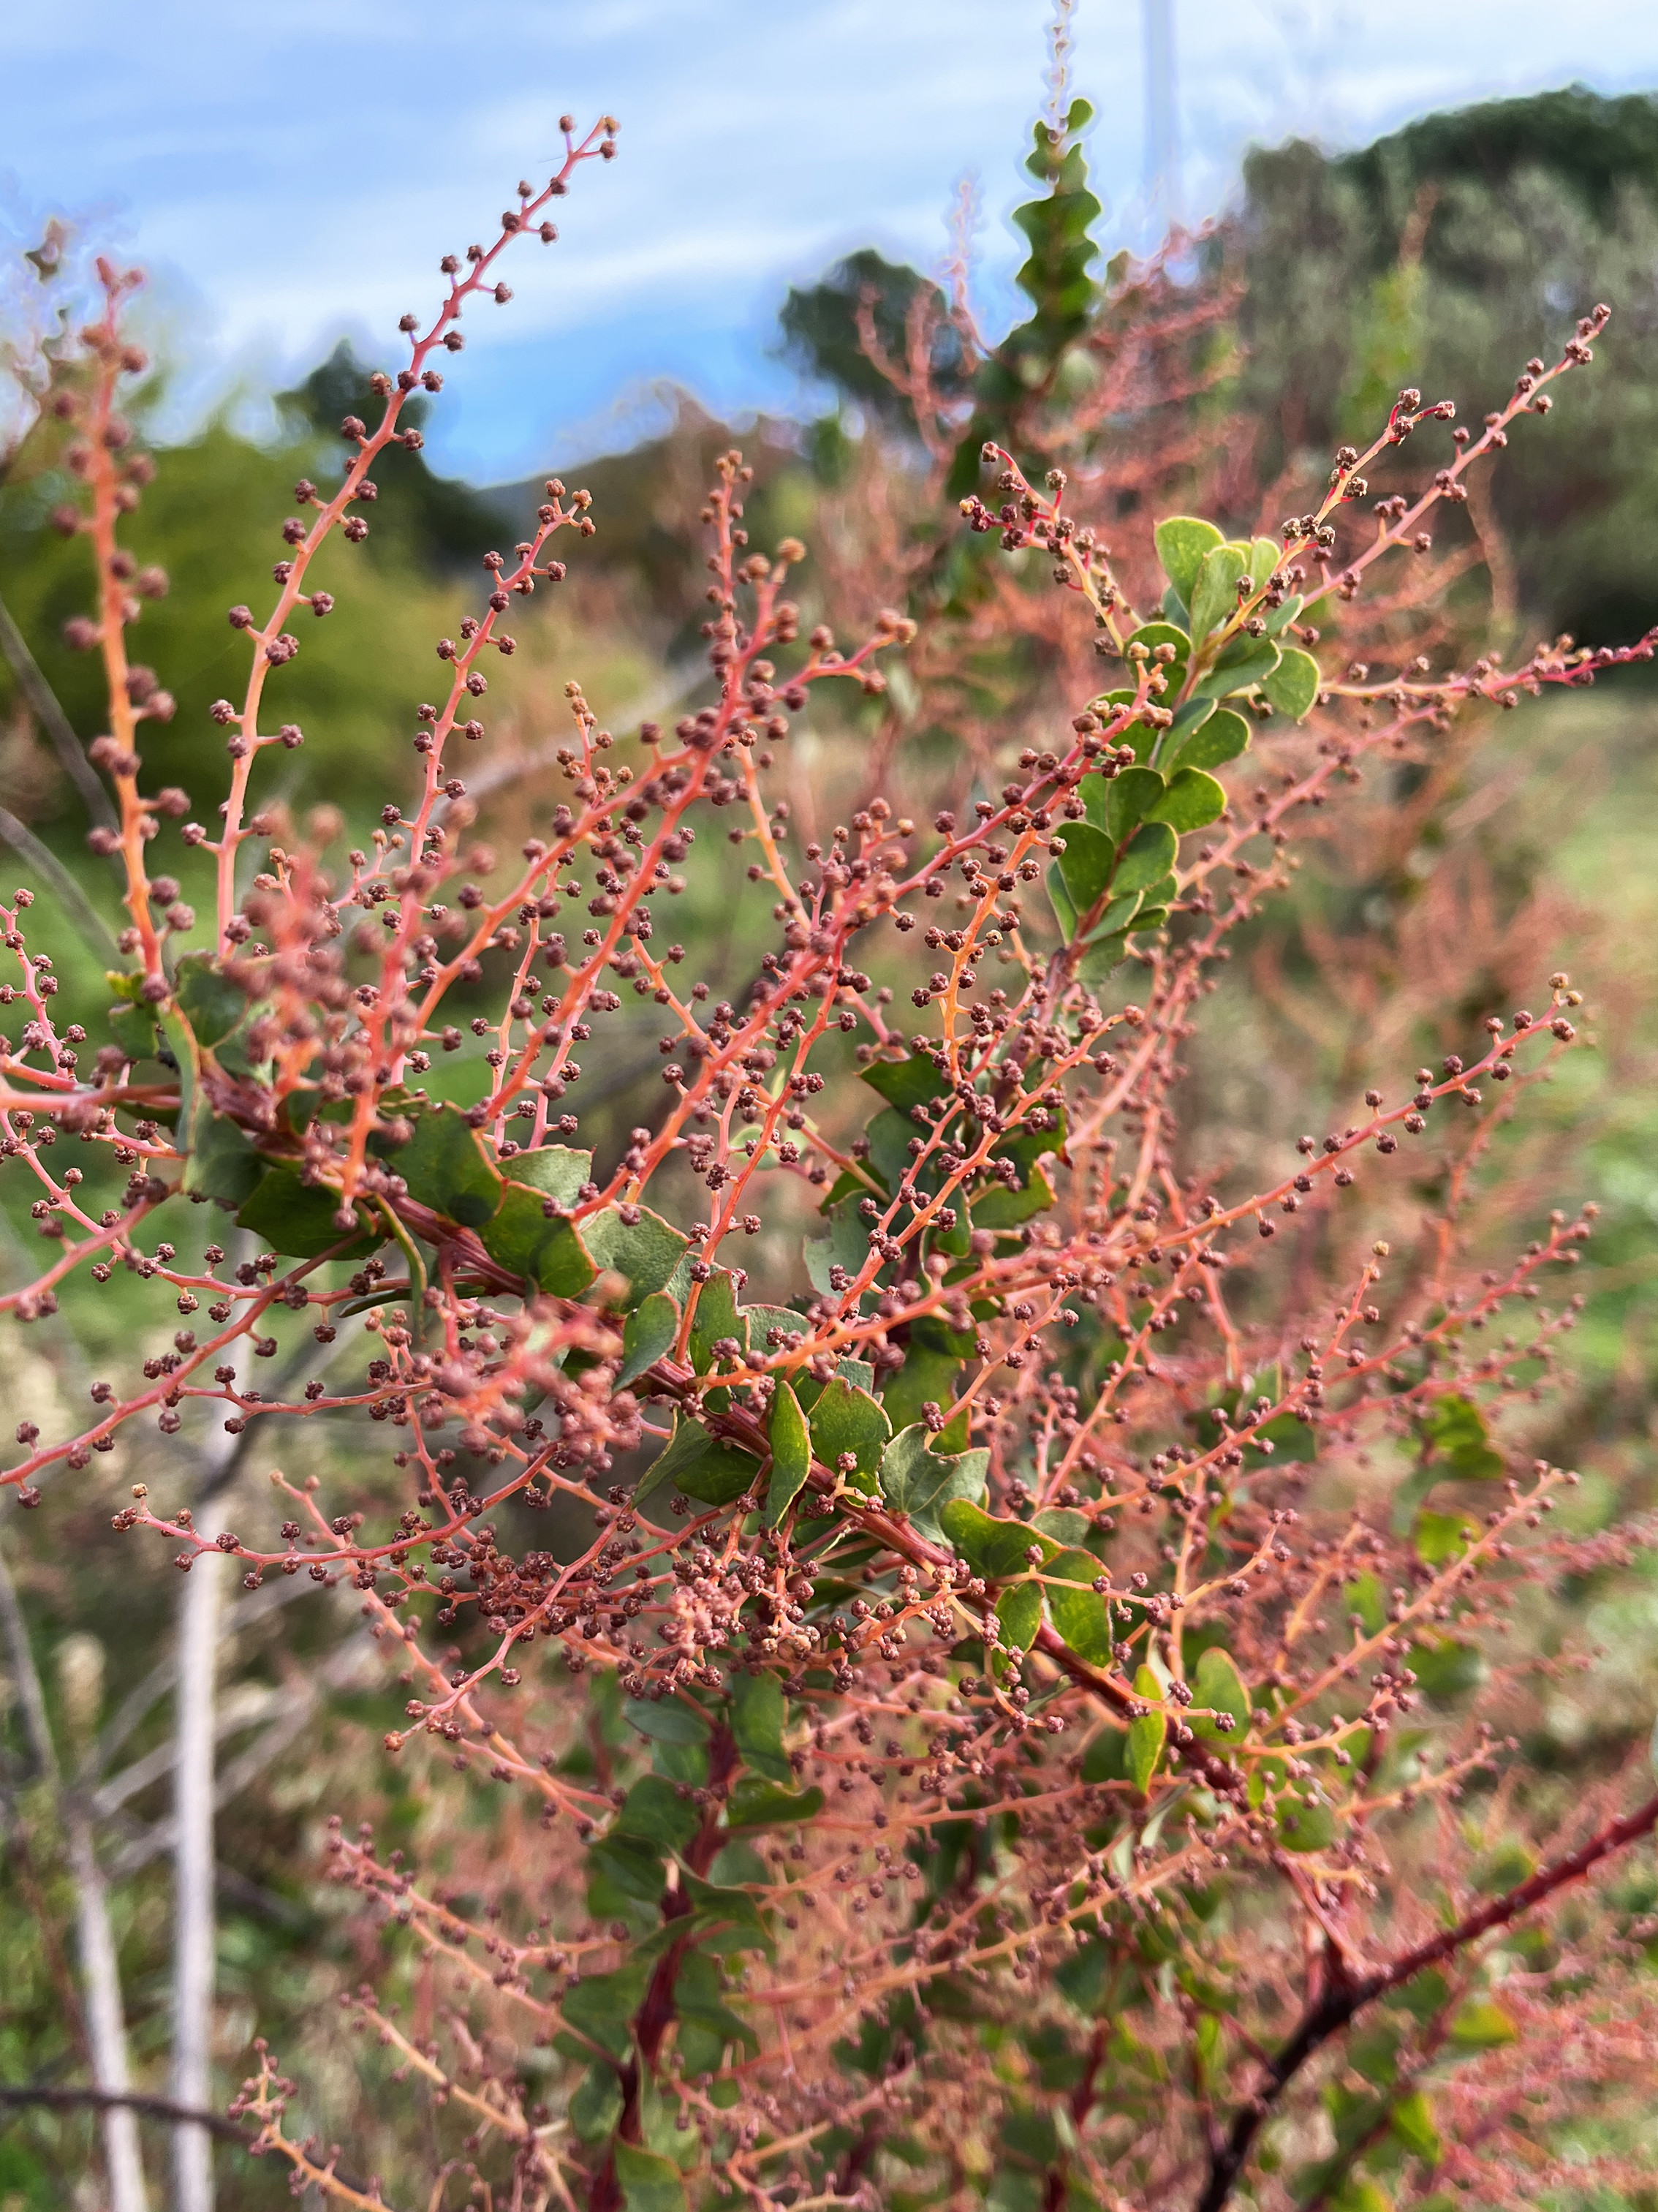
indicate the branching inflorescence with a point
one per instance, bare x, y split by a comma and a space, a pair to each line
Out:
984, 1635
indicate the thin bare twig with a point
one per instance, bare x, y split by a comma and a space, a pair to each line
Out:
62, 2099
1331, 2011
44, 706
94, 930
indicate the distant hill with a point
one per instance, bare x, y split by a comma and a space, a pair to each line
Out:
1445, 255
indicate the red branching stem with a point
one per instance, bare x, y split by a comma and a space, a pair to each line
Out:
1342, 1999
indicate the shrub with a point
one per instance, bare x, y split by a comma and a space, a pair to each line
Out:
997, 1713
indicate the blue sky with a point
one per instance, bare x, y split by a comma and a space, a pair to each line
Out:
291, 175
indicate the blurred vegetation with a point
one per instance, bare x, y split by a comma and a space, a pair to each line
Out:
1444, 255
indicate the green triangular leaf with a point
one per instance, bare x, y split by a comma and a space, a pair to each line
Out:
444, 1166
1002, 1208
688, 1444
1456, 1429
1118, 804
995, 1548
1076, 1610
716, 1318
210, 1002
601, 2007
654, 1810
759, 1713
222, 1163
648, 1336
1246, 662
920, 1482
930, 1374
903, 1083
847, 1419
1103, 954
756, 1804
1147, 1735
549, 1254
1019, 1615
1085, 865
596, 2106
646, 1252
667, 1720
1064, 906
1216, 1684
1183, 543
1264, 555
298, 1218
1214, 598
791, 1454
633, 1863
721, 1476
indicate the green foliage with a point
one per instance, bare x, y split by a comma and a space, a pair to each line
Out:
1483, 2025
1292, 686
1214, 594
223, 1164
847, 1421
1216, 1684
1192, 801
934, 1362
1245, 664
297, 1217
649, 1333
715, 1320
521, 1236
207, 522
1454, 1433
819, 324
1115, 877
444, 1166
1183, 543
1079, 1613
756, 1804
688, 1444
556, 1171
212, 1004
758, 1716
791, 1453
1465, 240
921, 1482
1148, 1733
700, 1465
650, 2183
645, 1253
1019, 1615
1209, 739
1056, 276
992, 1546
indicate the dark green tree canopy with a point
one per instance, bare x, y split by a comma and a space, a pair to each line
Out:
820, 331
